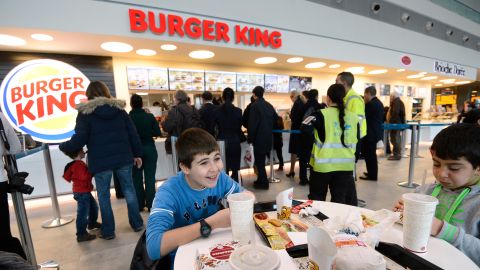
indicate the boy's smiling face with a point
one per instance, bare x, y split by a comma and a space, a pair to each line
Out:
204, 170
454, 173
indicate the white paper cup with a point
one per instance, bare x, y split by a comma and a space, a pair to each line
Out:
418, 213
241, 216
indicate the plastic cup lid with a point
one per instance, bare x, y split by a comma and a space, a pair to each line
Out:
420, 198
252, 257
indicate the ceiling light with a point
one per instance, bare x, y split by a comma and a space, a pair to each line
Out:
400, 70
9, 40
315, 65
265, 60
142, 94
168, 47
375, 7
295, 60
462, 82
448, 81
429, 25
405, 17
465, 38
449, 32
378, 71
355, 70
41, 37
422, 73
146, 52
334, 66
438, 84
114, 46
416, 76
201, 54
429, 78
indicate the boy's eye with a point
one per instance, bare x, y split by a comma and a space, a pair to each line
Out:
454, 169
436, 164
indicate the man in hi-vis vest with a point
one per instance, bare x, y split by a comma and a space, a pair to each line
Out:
333, 153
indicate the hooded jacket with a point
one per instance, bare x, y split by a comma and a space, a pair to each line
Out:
108, 132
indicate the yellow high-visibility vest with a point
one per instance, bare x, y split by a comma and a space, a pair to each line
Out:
355, 103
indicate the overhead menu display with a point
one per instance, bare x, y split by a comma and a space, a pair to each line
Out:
276, 83
247, 81
137, 78
219, 80
188, 80
300, 83
158, 78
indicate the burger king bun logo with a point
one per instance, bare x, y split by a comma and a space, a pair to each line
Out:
39, 98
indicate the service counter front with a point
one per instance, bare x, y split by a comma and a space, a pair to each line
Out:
34, 164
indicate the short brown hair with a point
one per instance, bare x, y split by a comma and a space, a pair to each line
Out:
192, 142
97, 89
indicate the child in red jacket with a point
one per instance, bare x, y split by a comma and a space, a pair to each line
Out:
87, 208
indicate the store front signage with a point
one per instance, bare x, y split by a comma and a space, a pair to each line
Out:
39, 98
195, 28
449, 68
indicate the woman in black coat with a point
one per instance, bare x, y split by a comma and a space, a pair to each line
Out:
296, 115
228, 120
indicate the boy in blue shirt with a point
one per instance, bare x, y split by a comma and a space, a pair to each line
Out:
456, 167
188, 205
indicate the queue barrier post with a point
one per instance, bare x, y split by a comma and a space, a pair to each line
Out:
411, 168
273, 179
386, 142
57, 220
403, 143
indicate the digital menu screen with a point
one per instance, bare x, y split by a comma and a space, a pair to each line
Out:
300, 83
137, 78
158, 79
219, 80
188, 80
247, 81
277, 83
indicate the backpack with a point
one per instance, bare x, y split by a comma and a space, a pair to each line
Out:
141, 260
189, 122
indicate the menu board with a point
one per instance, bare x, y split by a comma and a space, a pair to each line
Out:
137, 78
219, 80
366, 85
300, 83
410, 91
399, 89
158, 79
247, 81
188, 80
276, 83
385, 89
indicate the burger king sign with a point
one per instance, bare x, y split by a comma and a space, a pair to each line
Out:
39, 98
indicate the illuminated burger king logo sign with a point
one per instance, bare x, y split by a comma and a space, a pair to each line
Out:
39, 98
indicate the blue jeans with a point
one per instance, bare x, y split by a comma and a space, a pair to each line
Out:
87, 211
102, 181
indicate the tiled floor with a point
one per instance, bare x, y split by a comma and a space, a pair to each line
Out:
60, 243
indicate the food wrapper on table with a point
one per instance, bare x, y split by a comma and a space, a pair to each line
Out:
215, 257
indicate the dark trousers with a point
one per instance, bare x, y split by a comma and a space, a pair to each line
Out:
279, 152
8, 243
260, 163
340, 183
396, 139
304, 161
87, 211
370, 153
145, 194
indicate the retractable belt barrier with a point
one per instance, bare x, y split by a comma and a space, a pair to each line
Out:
274, 179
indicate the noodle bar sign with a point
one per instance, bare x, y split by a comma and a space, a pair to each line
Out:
195, 28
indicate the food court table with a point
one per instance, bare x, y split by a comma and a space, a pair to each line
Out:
439, 252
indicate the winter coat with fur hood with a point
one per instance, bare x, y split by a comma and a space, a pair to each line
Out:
105, 128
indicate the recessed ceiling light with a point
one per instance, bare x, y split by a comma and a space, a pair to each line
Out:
142, 94
462, 82
41, 37
265, 60
422, 73
315, 65
438, 84
168, 47
429, 78
448, 81
201, 54
355, 70
334, 66
116, 47
400, 70
416, 76
9, 40
378, 71
295, 60
146, 52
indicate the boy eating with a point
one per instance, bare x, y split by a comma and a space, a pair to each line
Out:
456, 167
188, 205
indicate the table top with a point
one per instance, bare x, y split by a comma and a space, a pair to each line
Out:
439, 252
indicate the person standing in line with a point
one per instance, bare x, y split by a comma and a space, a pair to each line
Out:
113, 145
396, 115
353, 103
296, 114
333, 153
374, 116
147, 128
228, 119
207, 112
246, 113
278, 142
260, 125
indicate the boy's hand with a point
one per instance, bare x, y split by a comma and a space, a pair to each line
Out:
221, 219
398, 206
137, 162
437, 225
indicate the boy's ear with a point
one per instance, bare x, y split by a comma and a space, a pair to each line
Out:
184, 168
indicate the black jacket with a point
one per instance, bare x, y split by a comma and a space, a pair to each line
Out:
296, 113
397, 112
228, 119
207, 114
374, 115
260, 125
